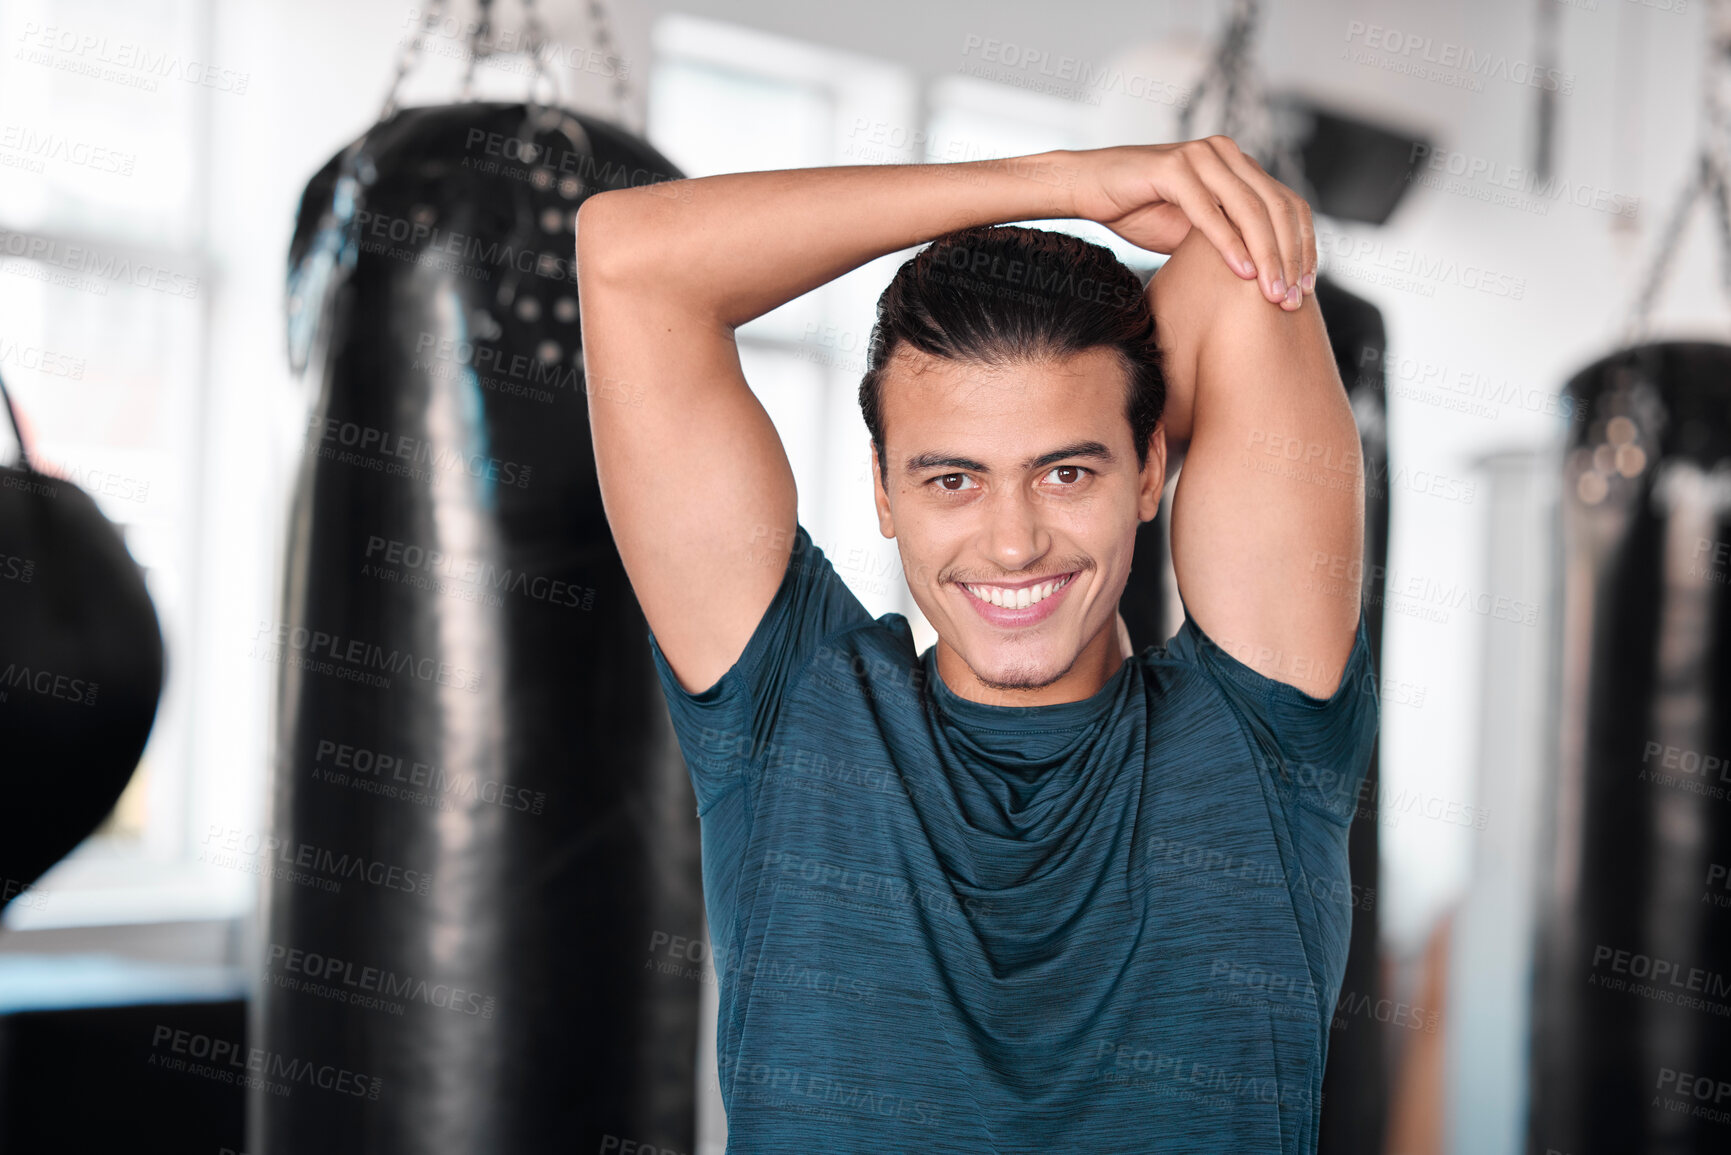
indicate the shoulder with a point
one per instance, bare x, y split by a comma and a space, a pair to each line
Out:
878, 652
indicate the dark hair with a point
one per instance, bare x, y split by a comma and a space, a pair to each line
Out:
999, 294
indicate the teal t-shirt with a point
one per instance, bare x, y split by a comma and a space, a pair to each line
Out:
1112, 925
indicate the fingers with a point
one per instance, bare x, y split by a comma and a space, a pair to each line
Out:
1197, 201
1248, 211
1290, 220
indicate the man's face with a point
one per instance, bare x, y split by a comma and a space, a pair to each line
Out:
1015, 476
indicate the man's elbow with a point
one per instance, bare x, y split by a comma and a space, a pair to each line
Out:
1197, 266
611, 238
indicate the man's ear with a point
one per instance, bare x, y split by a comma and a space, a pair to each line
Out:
1154, 475
886, 521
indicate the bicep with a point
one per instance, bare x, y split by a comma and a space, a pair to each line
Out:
696, 485
1268, 512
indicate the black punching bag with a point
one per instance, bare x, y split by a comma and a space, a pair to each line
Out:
1355, 1081
1354, 1084
480, 820
1631, 1032
81, 665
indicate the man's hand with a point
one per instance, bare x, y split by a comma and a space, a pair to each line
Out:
1152, 195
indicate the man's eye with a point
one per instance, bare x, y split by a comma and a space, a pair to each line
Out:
1077, 472
941, 482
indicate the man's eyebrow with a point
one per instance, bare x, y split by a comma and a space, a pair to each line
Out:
1094, 449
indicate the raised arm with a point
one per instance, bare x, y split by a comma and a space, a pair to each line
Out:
1268, 513
694, 479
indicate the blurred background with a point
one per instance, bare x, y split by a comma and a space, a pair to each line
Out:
1502, 181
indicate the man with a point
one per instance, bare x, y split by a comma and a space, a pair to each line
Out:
1026, 891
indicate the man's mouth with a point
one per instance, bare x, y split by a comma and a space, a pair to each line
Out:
1020, 597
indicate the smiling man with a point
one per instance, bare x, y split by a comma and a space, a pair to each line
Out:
1026, 891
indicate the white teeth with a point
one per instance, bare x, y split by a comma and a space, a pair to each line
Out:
1019, 599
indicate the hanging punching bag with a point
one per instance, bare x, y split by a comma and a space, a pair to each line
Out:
1631, 1035
80, 668
1354, 1087
1354, 1084
482, 837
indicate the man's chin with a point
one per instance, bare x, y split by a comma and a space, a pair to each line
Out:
1009, 674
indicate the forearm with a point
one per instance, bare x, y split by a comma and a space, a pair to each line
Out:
734, 246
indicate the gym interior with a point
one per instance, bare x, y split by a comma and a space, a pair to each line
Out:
342, 811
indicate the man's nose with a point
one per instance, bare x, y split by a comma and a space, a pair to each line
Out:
1013, 535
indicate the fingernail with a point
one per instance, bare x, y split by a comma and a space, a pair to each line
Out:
1248, 268
1310, 282
1279, 286
1293, 296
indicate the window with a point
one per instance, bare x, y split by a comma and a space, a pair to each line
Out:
104, 290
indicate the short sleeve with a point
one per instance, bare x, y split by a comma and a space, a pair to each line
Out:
1320, 748
723, 731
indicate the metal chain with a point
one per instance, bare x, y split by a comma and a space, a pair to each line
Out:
1716, 187
1716, 114
535, 42
407, 55
478, 46
1660, 264
1226, 67
533, 46
1245, 112
1709, 178
1234, 62
601, 27
17, 429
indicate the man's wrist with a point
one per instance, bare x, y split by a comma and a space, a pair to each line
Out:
1034, 186
1069, 164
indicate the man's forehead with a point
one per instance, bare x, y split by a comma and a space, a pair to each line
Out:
1047, 388
1081, 398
